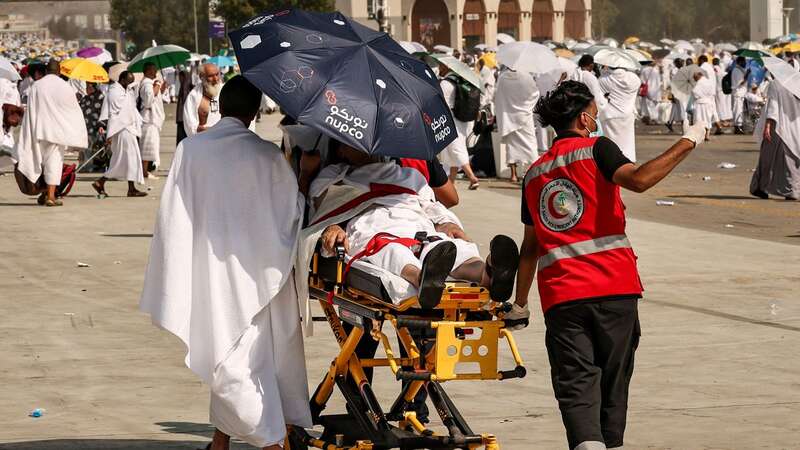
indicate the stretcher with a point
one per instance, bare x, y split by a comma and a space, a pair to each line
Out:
467, 326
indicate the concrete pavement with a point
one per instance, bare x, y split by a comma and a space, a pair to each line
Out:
717, 366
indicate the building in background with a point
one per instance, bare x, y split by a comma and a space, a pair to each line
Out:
768, 18
465, 23
86, 22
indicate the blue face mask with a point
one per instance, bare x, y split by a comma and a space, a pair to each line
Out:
599, 127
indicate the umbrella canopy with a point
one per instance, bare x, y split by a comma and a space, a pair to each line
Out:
726, 47
750, 45
793, 47
616, 57
666, 41
638, 55
661, 53
610, 42
564, 53
459, 68
784, 74
8, 71
683, 82
683, 46
751, 53
631, 40
527, 57
348, 81
116, 69
413, 47
503, 38
222, 61
195, 57
443, 49
567, 65
489, 60
85, 70
89, 52
160, 55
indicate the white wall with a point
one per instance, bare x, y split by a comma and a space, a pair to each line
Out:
766, 19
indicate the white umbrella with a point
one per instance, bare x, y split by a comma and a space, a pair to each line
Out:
750, 45
102, 58
420, 48
460, 69
783, 73
638, 56
610, 42
696, 41
527, 57
579, 47
726, 47
683, 82
503, 38
666, 41
616, 57
408, 46
443, 49
570, 43
683, 46
567, 65
8, 71
194, 57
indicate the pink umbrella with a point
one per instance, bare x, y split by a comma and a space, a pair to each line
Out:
89, 52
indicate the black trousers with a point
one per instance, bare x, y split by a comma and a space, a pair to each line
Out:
591, 345
180, 133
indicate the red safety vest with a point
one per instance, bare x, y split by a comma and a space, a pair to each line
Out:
580, 227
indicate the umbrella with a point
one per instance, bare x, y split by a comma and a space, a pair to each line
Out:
793, 47
459, 68
684, 46
348, 81
750, 45
160, 55
503, 38
489, 60
631, 40
443, 49
683, 82
751, 53
221, 61
413, 47
116, 69
567, 65
610, 42
95, 54
638, 55
564, 53
194, 57
661, 53
616, 57
527, 57
784, 74
480, 47
83, 69
726, 47
8, 71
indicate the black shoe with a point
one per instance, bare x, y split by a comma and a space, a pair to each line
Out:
738, 130
436, 267
718, 132
761, 194
504, 256
791, 199
669, 127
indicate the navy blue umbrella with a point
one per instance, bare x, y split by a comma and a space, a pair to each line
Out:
350, 82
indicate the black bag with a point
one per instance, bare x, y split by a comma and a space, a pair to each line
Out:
727, 88
468, 99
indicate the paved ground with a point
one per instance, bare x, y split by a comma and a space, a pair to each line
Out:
717, 367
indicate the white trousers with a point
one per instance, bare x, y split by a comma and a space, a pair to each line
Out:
521, 146
52, 162
261, 385
738, 110
150, 143
126, 162
395, 257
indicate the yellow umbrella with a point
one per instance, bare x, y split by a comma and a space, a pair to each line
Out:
83, 69
791, 47
489, 60
60, 53
564, 53
631, 40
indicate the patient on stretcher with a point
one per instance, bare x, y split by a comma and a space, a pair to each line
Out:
397, 205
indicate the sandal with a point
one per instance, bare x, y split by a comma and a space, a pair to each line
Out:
436, 267
57, 202
101, 192
137, 194
502, 270
474, 186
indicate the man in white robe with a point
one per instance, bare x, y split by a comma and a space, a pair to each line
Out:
618, 117
739, 76
723, 100
488, 80
704, 93
124, 129
585, 74
220, 274
651, 76
12, 116
515, 99
53, 122
778, 133
455, 155
201, 107
151, 98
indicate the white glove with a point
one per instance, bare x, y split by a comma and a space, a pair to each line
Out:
696, 133
517, 312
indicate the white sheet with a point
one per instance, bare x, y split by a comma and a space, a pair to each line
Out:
119, 108
126, 162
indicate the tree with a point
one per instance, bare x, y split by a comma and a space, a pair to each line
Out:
237, 12
144, 21
604, 13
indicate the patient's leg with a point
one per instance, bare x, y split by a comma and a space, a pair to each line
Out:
400, 260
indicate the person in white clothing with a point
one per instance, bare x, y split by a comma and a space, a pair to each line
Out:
651, 77
704, 93
618, 117
585, 74
515, 99
739, 87
151, 101
201, 107
488, 80
455, 155
723, 100
12, 116
220, 274
124, 128
53, 122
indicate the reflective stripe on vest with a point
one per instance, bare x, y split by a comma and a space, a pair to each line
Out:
560, 161
583, 248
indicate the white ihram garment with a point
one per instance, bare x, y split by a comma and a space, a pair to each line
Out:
152, 121
705, 93
489, 82
723, 100
619, 115
514, 99
652, 78
588, 78
739, 87
778, 169
124, 128
220, 259
53, 121
191, 115
455, 154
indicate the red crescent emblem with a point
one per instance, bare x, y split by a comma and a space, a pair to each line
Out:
552, 209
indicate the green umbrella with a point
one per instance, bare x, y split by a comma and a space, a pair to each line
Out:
160, 55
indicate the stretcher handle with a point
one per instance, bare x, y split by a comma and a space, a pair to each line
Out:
518, 372
413, 323
514, 322
411, 375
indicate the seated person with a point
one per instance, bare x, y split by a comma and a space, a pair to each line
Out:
410, 207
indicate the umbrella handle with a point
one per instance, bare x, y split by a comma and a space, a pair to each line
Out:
89, 160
